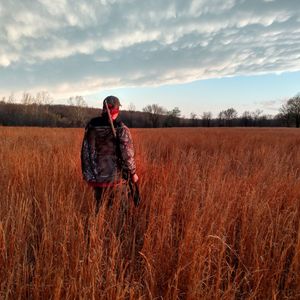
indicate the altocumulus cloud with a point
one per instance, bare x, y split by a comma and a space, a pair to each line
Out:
78, 46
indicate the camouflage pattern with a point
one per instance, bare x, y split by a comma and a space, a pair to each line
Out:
102, 161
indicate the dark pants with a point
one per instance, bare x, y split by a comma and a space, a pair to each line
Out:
110, 194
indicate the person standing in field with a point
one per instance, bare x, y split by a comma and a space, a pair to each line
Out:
107, 154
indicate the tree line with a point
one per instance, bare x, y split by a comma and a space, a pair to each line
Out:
39, 110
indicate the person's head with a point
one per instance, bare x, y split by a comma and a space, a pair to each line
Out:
113, 104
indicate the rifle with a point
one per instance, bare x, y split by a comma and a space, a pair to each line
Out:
133, 186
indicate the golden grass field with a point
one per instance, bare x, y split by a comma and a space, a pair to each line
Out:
219, 218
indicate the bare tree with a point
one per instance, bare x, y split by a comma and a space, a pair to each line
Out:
131, 110
206, 118
79, 109
256, 115
221, 118
11, 98
291, 110
27, 99
173, 117
285, 116
230, 114
43, 98
154, 112
193, 116
194, 119
77, 101
176, 112
131, 107
247, 118
227, 116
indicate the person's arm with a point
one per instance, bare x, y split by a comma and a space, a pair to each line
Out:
86, 161
127, 152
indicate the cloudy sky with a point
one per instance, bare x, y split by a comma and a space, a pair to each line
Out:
199, 55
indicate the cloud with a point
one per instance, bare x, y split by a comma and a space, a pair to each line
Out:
271, 105
81, 47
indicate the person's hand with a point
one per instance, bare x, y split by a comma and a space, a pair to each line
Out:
134, 178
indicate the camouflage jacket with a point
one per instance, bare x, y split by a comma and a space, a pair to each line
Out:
105, 160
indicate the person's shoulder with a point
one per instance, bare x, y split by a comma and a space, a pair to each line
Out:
123, 132
94, 122
121, 125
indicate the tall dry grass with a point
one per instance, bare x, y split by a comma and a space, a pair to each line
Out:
219, 218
